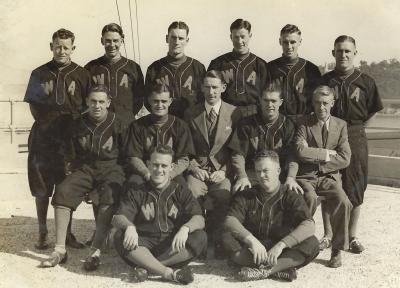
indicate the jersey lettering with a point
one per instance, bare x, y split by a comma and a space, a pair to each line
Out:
356, 94
98, 79
170, 142
124, 81
47, 87
254, 142
71, 88
148, 211
188, 83
173, 212
300, 86
336, 92
163, 81
84, 141
108, 145
252, 78
228, 75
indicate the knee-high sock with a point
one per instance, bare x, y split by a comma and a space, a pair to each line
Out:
143, 258
95, 211
42, 205
170, 259
353, 225
69, 228
288, 259
326, 218
62, 218
103, 221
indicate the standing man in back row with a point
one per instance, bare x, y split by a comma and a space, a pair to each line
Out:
244, 73
296, 76
181, 74
56, 93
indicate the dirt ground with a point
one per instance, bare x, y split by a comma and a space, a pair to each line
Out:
377, 266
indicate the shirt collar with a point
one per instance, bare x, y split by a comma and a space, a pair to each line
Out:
327, 122
216, 107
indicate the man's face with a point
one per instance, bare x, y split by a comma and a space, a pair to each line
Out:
322, 106
240, 40
160, 168
344, 54
98, 102
159, 103
267, 172
62, 50
112, 41
212, 89
177, 40
270, 103
290, 43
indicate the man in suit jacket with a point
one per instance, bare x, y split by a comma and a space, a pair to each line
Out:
211, 126
323, 150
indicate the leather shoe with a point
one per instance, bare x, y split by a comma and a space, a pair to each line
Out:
73, 243
355, 246
55, 259
324, 243
91, 263
336, 259
42, 243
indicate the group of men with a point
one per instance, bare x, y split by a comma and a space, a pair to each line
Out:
242, 149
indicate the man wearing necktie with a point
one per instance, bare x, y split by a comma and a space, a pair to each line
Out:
323, 150
211, 124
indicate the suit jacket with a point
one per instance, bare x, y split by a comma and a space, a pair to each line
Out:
312, 155
217, 156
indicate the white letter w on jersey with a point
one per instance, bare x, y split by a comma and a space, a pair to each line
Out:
148, 211
98, 79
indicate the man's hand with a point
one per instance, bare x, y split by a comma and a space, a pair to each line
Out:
241, 184
131, 238
147, 176
180, 238
217, 176
258, 250
293, 185
275, 252
332, 152
201, 174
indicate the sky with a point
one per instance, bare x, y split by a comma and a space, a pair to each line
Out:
28, 26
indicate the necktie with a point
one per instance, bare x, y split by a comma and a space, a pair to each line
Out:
324, 134
212, 116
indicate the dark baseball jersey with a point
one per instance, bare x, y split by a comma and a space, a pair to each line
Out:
357, 99
125, 81
245, 75
253, 135
155, 212
183, 81
56, 96
297, 82
145, 134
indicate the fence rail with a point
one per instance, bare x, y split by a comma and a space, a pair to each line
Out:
15, 117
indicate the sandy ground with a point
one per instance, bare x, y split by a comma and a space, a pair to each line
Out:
378, 266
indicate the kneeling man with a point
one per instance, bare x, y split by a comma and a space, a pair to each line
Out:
160, 224
269, 230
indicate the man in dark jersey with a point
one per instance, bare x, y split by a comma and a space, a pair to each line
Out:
296, 76
269, 230
158, 128
55, 93
357, 101
245, 73
268, 129
94, 150
160, 224
181, 74
122, 76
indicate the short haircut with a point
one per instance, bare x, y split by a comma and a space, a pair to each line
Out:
267, 154
344, 38
289, 29
272, 88
179, 25
239, 24
215, 74
157, 88
63, 34
113, 27
100, 88
324, 90
163, 149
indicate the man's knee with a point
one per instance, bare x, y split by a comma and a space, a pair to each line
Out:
196, 187
197, 241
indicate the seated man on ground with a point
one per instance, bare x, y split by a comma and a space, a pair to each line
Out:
269, 230
323, 150
160, 224
96, 141
157, 128
211, 124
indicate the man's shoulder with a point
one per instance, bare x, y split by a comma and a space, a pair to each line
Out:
338, 121
95, 62
222, 58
